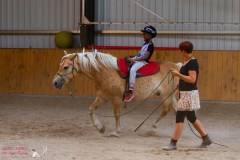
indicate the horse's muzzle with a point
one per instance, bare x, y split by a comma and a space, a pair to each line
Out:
58, 83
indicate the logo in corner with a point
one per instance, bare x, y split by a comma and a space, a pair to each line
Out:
36, 155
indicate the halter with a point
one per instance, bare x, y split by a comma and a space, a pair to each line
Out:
73, 68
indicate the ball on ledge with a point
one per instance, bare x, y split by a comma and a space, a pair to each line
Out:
64, 39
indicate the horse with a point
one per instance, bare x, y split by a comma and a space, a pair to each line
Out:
103, 69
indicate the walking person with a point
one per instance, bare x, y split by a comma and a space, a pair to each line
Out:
141, 59
189, 97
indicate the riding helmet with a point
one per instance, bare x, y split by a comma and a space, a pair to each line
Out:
151, 30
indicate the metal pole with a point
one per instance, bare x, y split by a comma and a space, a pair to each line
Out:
52, 32
166, 23
83, 10
80, 19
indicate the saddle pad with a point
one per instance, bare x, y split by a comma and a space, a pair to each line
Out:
149, 69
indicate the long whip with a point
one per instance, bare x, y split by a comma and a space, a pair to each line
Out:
155, 109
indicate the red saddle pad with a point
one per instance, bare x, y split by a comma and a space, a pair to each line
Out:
149, 69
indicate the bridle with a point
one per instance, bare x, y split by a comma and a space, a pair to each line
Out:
73, 68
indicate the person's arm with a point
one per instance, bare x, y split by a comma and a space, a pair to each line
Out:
190, 79
139, 59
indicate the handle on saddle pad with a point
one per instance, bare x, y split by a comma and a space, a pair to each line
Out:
129, 63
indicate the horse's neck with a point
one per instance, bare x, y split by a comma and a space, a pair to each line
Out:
90, 73
94, 66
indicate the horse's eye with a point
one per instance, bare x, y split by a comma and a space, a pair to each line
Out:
65, 68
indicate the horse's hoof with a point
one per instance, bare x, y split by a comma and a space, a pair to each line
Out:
114, 134
102, 130
154, 129
118, 130
154, 126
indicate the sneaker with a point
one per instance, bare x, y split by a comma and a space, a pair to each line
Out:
128, 97
206, 141
170, 147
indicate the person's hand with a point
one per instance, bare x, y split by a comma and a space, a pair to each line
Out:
130, 59
175, 72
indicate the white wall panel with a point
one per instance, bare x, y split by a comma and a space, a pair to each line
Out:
221, 11
64, 15
36, 15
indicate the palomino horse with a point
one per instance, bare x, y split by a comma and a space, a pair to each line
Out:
103, 70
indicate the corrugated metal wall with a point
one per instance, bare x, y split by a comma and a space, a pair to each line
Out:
65, 15
36, 15
221, 11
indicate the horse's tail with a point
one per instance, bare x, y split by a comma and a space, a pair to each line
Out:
174, 99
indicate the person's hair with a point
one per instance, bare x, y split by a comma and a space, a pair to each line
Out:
186, 46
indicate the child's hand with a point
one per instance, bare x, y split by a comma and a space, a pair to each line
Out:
130, 59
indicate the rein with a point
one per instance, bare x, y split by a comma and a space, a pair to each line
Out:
136, 106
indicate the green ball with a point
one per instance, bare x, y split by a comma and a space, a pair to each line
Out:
63, 39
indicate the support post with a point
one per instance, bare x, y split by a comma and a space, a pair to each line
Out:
87, 30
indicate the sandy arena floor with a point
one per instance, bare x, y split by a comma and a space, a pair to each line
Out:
58, 123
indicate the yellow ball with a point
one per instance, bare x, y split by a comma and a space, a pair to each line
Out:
63, 39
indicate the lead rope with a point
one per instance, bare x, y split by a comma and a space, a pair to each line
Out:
135, 107
201, 138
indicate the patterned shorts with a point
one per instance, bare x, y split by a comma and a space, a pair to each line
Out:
189, 101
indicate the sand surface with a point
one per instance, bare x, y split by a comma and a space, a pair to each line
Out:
65, 128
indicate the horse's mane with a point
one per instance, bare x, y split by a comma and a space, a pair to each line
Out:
95, 59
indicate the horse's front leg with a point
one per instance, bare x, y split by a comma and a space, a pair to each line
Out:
117, 105
98, 100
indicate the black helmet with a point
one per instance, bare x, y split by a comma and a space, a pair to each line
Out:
151, 30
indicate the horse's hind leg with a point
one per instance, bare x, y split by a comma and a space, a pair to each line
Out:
165, 110
98, 100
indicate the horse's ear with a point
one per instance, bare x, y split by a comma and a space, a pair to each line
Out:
65, 53
73, 56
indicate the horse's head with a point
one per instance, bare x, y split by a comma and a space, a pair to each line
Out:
67, 70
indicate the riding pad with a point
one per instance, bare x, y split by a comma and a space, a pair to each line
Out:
149, 69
